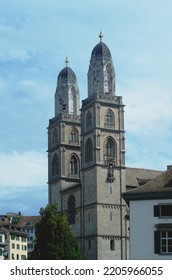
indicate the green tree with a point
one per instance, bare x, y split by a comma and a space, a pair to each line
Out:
54, 238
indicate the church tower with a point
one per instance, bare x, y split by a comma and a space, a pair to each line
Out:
64, 140
102, 160
86, 158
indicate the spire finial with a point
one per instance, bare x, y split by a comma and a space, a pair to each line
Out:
66, 61
100, 35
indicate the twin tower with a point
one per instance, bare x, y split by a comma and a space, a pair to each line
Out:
86, 158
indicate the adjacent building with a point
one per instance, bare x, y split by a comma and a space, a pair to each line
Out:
27, 224
17, 235
150, 212
13, 243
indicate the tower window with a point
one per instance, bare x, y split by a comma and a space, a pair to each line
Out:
55, 165
55, 139
88, 150
110, 216
73, 165
112, 245
71, 209
73, 135
109, 148
89, 121
109, 121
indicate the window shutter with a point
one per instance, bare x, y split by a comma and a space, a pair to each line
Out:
156, 211
156, 242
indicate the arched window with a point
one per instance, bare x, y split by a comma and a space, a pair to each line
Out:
55, 139
89, 121
88, 150
55, 165
109, 121
71, 209
73, 135
110, 149
73, 165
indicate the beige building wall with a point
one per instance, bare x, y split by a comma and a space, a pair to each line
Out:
17, 247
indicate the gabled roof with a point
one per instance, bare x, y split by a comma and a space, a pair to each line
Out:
159, 187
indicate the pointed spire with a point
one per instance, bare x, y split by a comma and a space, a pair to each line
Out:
100, 36
66, 61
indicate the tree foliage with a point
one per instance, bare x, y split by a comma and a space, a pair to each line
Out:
54, 238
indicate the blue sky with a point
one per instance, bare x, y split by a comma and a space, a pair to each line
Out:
35, 37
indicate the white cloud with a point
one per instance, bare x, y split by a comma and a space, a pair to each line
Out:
27, 200
23, 170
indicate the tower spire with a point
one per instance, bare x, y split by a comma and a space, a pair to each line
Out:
100, 36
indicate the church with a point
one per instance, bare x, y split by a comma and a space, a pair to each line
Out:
86, 159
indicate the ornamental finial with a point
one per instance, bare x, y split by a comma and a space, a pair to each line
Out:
100, 35
66, 61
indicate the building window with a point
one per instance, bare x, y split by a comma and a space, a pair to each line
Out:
0, 252
88, 150
109, 121
0, 238
13, 245
71, 209
111, 216
163, 210
55, 139
112, 245
17, 256
110, 190
30, 246
55, 165
73, 165
23, 257
18, 246
89, 121
109, 149
163, 241
73, 135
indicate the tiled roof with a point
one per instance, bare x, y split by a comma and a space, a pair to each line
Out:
12, 230
28, 221
159, 187
138, 176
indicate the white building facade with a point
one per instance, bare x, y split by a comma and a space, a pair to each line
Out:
150, 212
